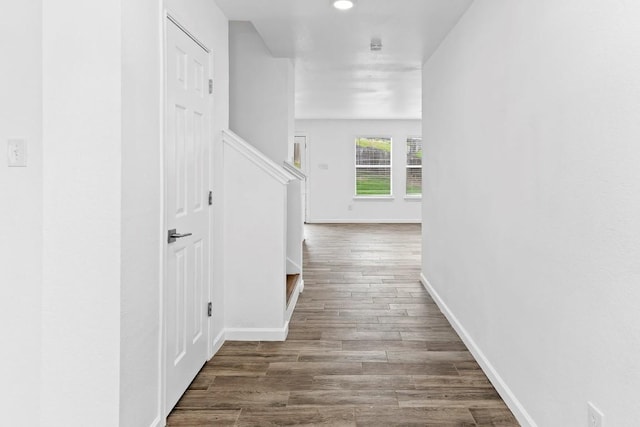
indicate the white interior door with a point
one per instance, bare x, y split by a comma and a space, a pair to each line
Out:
186, 197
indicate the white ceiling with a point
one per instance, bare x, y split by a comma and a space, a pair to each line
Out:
337, 76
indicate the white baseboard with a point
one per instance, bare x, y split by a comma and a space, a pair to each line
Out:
364, 221
505, 392
294, 300
257, 334
218, 342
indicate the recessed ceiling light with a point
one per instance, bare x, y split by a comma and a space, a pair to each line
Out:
343, 4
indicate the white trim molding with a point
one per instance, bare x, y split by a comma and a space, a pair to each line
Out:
292, 267
498, 382
388, 198
293, 170
257, 334
294, 300
218, 342
364, 221
257, 157
157, 422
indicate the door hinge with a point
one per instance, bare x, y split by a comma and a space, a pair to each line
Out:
209, 309
210, 86
210, 198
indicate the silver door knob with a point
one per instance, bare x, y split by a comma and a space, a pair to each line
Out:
173, 235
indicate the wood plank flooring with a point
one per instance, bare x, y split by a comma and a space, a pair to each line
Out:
367, 346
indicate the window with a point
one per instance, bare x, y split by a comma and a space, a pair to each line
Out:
414, 166
373, 166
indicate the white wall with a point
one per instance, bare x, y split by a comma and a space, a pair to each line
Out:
82, 133
531, 210
141, 220
21, 213
261, 93
295, 226
331, 171
82, 224
255, 274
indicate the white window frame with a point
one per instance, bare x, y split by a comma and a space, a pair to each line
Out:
356, 167
408, 166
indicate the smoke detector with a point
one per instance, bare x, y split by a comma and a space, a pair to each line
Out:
376, 44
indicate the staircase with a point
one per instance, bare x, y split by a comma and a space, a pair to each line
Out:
263, 240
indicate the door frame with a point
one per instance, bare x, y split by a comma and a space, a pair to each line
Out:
305, 135
169, 18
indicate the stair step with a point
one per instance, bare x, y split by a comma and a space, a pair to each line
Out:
292, 281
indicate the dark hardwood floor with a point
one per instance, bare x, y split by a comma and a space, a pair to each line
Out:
367, 346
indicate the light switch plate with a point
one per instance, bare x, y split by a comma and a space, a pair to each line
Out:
17, 152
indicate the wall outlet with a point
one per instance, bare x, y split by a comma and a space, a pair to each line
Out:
596, 417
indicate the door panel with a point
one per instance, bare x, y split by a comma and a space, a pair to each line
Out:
186, 190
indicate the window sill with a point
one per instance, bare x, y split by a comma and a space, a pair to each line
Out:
416, 197
377, 198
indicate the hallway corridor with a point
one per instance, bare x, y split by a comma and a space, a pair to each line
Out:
367, 346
